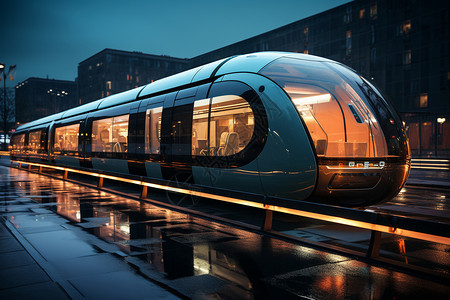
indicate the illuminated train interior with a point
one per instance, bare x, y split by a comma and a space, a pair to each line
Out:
279, 124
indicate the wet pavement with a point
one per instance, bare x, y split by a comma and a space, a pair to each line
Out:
60, 239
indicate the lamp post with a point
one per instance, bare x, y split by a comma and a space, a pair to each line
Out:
5, 74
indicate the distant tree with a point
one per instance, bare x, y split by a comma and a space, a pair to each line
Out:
7, 111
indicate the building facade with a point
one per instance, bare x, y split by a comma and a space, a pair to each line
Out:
402, 46
112, 71
39, 97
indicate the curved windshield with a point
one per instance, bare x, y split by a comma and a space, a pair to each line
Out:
341, 121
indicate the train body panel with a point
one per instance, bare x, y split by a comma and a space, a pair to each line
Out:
273, 123
286, 165
111, 165
153, 170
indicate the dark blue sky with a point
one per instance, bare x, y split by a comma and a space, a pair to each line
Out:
49, 37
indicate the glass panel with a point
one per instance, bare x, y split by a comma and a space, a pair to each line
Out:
153, 130
66, 138
200, 127
34, 141
110, 135
18, 143
339, 121
231, 125
181, 129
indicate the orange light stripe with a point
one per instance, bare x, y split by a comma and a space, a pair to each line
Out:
317, 216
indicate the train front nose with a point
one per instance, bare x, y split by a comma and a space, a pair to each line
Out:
366, 168
360, 142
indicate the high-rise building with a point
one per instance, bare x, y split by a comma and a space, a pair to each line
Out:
39, 97
402, 46
112, 71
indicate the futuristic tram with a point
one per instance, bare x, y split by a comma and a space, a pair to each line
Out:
278, 124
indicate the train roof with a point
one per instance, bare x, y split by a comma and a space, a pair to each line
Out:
251, 63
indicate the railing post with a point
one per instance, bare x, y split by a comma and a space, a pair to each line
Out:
374, 245
100, 182
20, 165
268, 220
66, 174
29, 167
144, 192
40, 169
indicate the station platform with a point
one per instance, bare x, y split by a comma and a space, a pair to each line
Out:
62, 241
84, 273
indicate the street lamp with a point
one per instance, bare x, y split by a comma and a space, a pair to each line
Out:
5, 74
439, 121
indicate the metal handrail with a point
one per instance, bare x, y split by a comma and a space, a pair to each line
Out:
378, 223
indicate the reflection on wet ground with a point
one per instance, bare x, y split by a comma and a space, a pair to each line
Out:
199, 258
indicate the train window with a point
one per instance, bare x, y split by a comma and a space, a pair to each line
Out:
110, 134
66, 138
34, 141
200, 127
340, 122
231, 126
153, 130
18, 143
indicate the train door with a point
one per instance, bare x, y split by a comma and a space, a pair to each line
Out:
136, 140
85, 160
176, 137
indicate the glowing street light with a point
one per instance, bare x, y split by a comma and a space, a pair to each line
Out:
3, 75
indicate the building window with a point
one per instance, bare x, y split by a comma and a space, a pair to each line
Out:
108, 85
348, 42
306, 51
153, 130
373, 11
66, 138
362, 13
406, 27
407, 57
373, 55
423, 100
348, 15
110, 135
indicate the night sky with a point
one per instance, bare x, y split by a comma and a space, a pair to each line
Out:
49, 38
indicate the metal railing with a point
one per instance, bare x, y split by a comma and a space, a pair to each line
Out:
376, 222
430, 164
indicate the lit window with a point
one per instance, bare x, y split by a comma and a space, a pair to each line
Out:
423, 100
339, 120
18, 143
230, 127
406, 27
348, 42
110, 135
153, 130
108, 85
34, 141
373, 10
361, 13
66, 139
408, 57
306, 51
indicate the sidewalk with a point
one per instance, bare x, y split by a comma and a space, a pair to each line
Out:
50, 261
